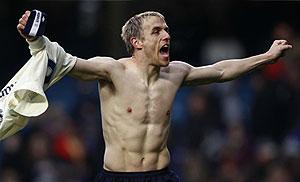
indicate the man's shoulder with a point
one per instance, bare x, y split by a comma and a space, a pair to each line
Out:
114, 63
178, 65
124, 60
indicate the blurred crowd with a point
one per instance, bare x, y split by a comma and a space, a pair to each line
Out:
244, 130
240, 131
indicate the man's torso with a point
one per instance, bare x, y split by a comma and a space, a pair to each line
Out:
136, 118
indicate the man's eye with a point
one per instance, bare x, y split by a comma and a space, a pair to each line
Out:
155, 31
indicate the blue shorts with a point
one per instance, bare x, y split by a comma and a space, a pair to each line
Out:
163, 175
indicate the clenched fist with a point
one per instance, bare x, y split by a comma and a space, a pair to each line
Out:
32, 24
21, 26
278, 48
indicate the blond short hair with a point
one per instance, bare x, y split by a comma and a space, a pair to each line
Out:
133, 28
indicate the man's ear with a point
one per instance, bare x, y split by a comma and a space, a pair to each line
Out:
136, 43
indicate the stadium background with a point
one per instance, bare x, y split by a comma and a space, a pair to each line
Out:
244, 130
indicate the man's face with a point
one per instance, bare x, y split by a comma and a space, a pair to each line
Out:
156, 40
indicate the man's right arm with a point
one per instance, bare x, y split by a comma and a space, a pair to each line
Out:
97, 68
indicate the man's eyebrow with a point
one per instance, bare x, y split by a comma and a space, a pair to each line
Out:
160, 28
156, 28
167, 28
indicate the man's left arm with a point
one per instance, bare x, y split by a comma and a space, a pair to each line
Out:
231, 69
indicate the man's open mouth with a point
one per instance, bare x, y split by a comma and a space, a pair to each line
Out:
164, 49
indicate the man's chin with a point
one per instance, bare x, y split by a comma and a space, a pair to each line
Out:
164, 60
164, 63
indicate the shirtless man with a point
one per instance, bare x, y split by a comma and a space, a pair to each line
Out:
137, 93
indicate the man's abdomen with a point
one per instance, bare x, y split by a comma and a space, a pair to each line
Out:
136, 147
126, 161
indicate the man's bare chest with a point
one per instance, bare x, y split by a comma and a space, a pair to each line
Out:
140, 101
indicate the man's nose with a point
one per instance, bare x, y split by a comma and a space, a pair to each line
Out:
166, 36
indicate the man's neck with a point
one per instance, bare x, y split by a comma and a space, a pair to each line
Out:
149, 73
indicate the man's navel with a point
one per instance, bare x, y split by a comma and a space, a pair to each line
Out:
129, 109
168, 113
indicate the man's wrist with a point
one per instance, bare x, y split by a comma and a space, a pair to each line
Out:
268, 57
31, 39
36, 43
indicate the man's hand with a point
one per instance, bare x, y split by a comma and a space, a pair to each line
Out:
21, 26
278, 48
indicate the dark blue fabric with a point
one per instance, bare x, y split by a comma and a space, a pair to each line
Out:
30, 21
163, 175
51, 66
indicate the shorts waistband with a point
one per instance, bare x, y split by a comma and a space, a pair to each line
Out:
154, 172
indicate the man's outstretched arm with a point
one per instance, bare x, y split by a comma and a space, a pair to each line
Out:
231, 69
97, 68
